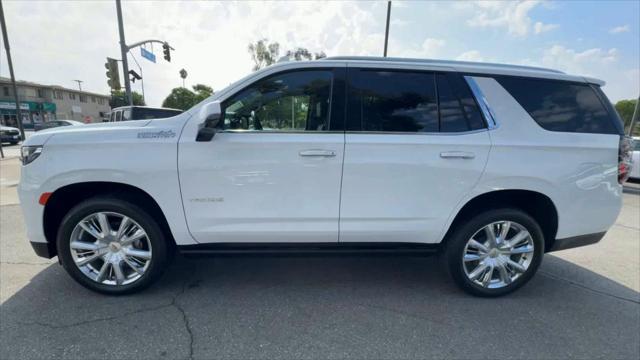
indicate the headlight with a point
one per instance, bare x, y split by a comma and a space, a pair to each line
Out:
30, 153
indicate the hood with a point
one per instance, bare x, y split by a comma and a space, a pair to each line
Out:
41, 137
5, 128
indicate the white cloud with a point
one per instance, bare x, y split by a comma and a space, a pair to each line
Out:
512, 16
586, 62
539, 28
471, 55
430, 48
596, 62
210, 38
619, 29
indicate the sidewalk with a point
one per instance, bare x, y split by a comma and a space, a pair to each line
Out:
9, 177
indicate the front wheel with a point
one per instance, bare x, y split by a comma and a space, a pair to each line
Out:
112, 246
495, 252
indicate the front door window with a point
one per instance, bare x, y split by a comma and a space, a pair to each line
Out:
294, 101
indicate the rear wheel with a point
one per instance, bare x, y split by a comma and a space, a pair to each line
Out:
495, 252
111, 246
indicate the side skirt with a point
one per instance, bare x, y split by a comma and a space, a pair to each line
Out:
293, 249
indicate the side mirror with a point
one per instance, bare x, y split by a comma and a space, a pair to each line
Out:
211, 114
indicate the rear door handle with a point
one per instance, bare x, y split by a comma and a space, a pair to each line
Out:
457, 155
317, 152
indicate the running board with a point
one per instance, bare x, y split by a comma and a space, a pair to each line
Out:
288, 249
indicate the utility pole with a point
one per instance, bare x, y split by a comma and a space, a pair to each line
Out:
634, 118
79, 84
386, 32
5, 38
123, 50
142, 77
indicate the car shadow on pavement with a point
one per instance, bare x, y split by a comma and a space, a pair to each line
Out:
311, 307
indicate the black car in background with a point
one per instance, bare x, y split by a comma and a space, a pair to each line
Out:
125, 113
9, 135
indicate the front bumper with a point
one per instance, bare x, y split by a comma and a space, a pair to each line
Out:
576, 241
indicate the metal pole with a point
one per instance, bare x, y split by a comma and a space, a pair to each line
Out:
5, 38
123, 50
634, 118
386, 32
79, 84
142, 80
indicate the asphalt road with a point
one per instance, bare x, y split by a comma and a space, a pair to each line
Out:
584, 303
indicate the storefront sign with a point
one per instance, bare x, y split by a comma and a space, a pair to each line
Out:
12, 105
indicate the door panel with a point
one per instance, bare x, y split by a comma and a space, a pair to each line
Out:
252, 187
416, 146
272, 173
398, 188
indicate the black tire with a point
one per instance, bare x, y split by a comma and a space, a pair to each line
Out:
455, 246
155, 235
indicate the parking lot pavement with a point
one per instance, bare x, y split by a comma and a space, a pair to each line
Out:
584, 303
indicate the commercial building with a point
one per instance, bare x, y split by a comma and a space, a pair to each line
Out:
40, 103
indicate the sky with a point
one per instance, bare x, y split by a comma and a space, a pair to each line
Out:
55, 42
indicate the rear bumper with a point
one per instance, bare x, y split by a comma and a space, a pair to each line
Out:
43, 249
576, 241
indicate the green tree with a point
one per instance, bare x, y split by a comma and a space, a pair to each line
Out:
202, 92
183, 98
625, 108
304, 54
118, 99
263, 53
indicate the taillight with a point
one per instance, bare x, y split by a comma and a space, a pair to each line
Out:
625, 151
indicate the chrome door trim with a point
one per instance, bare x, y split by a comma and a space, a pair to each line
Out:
482, 101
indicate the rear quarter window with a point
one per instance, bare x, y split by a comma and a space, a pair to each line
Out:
562, 106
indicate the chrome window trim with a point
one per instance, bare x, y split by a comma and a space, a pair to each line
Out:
353, 132
450, 133
315, 132
482, 101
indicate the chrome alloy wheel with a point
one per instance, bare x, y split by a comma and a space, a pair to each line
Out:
498, 254
110, 248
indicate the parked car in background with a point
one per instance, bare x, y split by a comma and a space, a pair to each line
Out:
125, 113
491, 165
56, 123
9, 135
635, 170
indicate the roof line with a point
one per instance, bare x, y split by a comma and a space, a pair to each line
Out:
441, 62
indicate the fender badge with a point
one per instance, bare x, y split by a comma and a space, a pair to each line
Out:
156, 134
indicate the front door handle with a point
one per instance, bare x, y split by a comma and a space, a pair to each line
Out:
457, 155
317, 152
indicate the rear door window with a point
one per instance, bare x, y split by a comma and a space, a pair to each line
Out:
410, 101
458, 109
561, 105
392, 101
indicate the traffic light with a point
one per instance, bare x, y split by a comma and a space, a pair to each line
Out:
112, 73
167, 52
134, 76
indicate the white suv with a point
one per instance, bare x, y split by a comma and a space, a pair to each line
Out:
491, 165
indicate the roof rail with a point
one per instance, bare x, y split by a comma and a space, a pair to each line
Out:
440, 62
